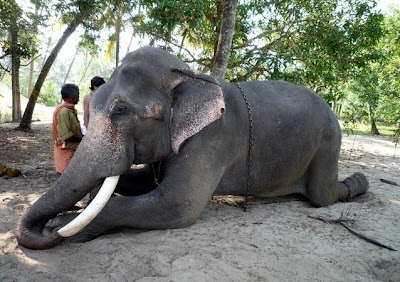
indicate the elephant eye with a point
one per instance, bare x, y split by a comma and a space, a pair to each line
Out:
121, 110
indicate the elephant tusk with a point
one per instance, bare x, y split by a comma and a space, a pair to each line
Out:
92, 210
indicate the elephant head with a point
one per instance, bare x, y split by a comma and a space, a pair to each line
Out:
152, 103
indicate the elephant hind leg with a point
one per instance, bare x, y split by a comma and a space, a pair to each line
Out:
323, 192
352, 186
321, 181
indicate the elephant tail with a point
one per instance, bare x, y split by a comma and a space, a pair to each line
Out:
352, 186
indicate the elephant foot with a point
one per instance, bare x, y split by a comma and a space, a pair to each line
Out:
88, 233
353, 186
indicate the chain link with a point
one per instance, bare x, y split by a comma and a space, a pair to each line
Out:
251, 144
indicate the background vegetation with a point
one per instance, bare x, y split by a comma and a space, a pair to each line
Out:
347, 51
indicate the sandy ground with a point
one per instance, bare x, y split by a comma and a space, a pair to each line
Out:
276, 240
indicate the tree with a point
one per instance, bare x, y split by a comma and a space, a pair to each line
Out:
89, 14
317, 43
191, 26
118, 13
75, 16
320, 44
15, 64
225, 38
389, 68
33, 44
367, 87
49, 94
15, 46
70, 66
376, 89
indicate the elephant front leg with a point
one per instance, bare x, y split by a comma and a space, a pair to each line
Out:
188, 181
176, 203
150, 211
137, 181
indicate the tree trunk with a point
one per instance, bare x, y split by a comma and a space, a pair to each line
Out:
86, 68
26, 120
130, 43
31, 70
70, 66
225, 38
374, 129
117, 40
15, 64
32, 64
45, 54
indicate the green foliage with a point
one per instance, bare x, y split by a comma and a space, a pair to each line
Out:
375, 92
111, 16
81, 74
320, 44
12, 16
343, 50
88, 42
49, 94
192, 25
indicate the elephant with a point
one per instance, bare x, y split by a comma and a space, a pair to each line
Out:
168, 138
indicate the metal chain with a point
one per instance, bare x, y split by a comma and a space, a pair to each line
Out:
251, 144
156, 176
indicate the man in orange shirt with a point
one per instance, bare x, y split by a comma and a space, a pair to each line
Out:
67, 132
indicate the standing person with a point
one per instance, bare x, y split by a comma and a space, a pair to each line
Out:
67, 132
95, 83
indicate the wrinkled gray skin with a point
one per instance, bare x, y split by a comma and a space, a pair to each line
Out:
203, 145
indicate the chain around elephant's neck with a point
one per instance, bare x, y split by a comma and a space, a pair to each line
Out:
251, 142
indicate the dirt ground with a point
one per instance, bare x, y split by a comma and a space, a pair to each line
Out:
276, 240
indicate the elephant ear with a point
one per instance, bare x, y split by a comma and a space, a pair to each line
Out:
198, 101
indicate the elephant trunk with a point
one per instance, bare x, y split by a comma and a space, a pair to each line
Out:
103, 152
92, 210
31, 230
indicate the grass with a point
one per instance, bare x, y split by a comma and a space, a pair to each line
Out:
385, 129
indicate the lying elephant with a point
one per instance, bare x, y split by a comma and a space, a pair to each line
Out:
199, 136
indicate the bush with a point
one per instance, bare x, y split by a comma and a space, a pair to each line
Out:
50, 94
